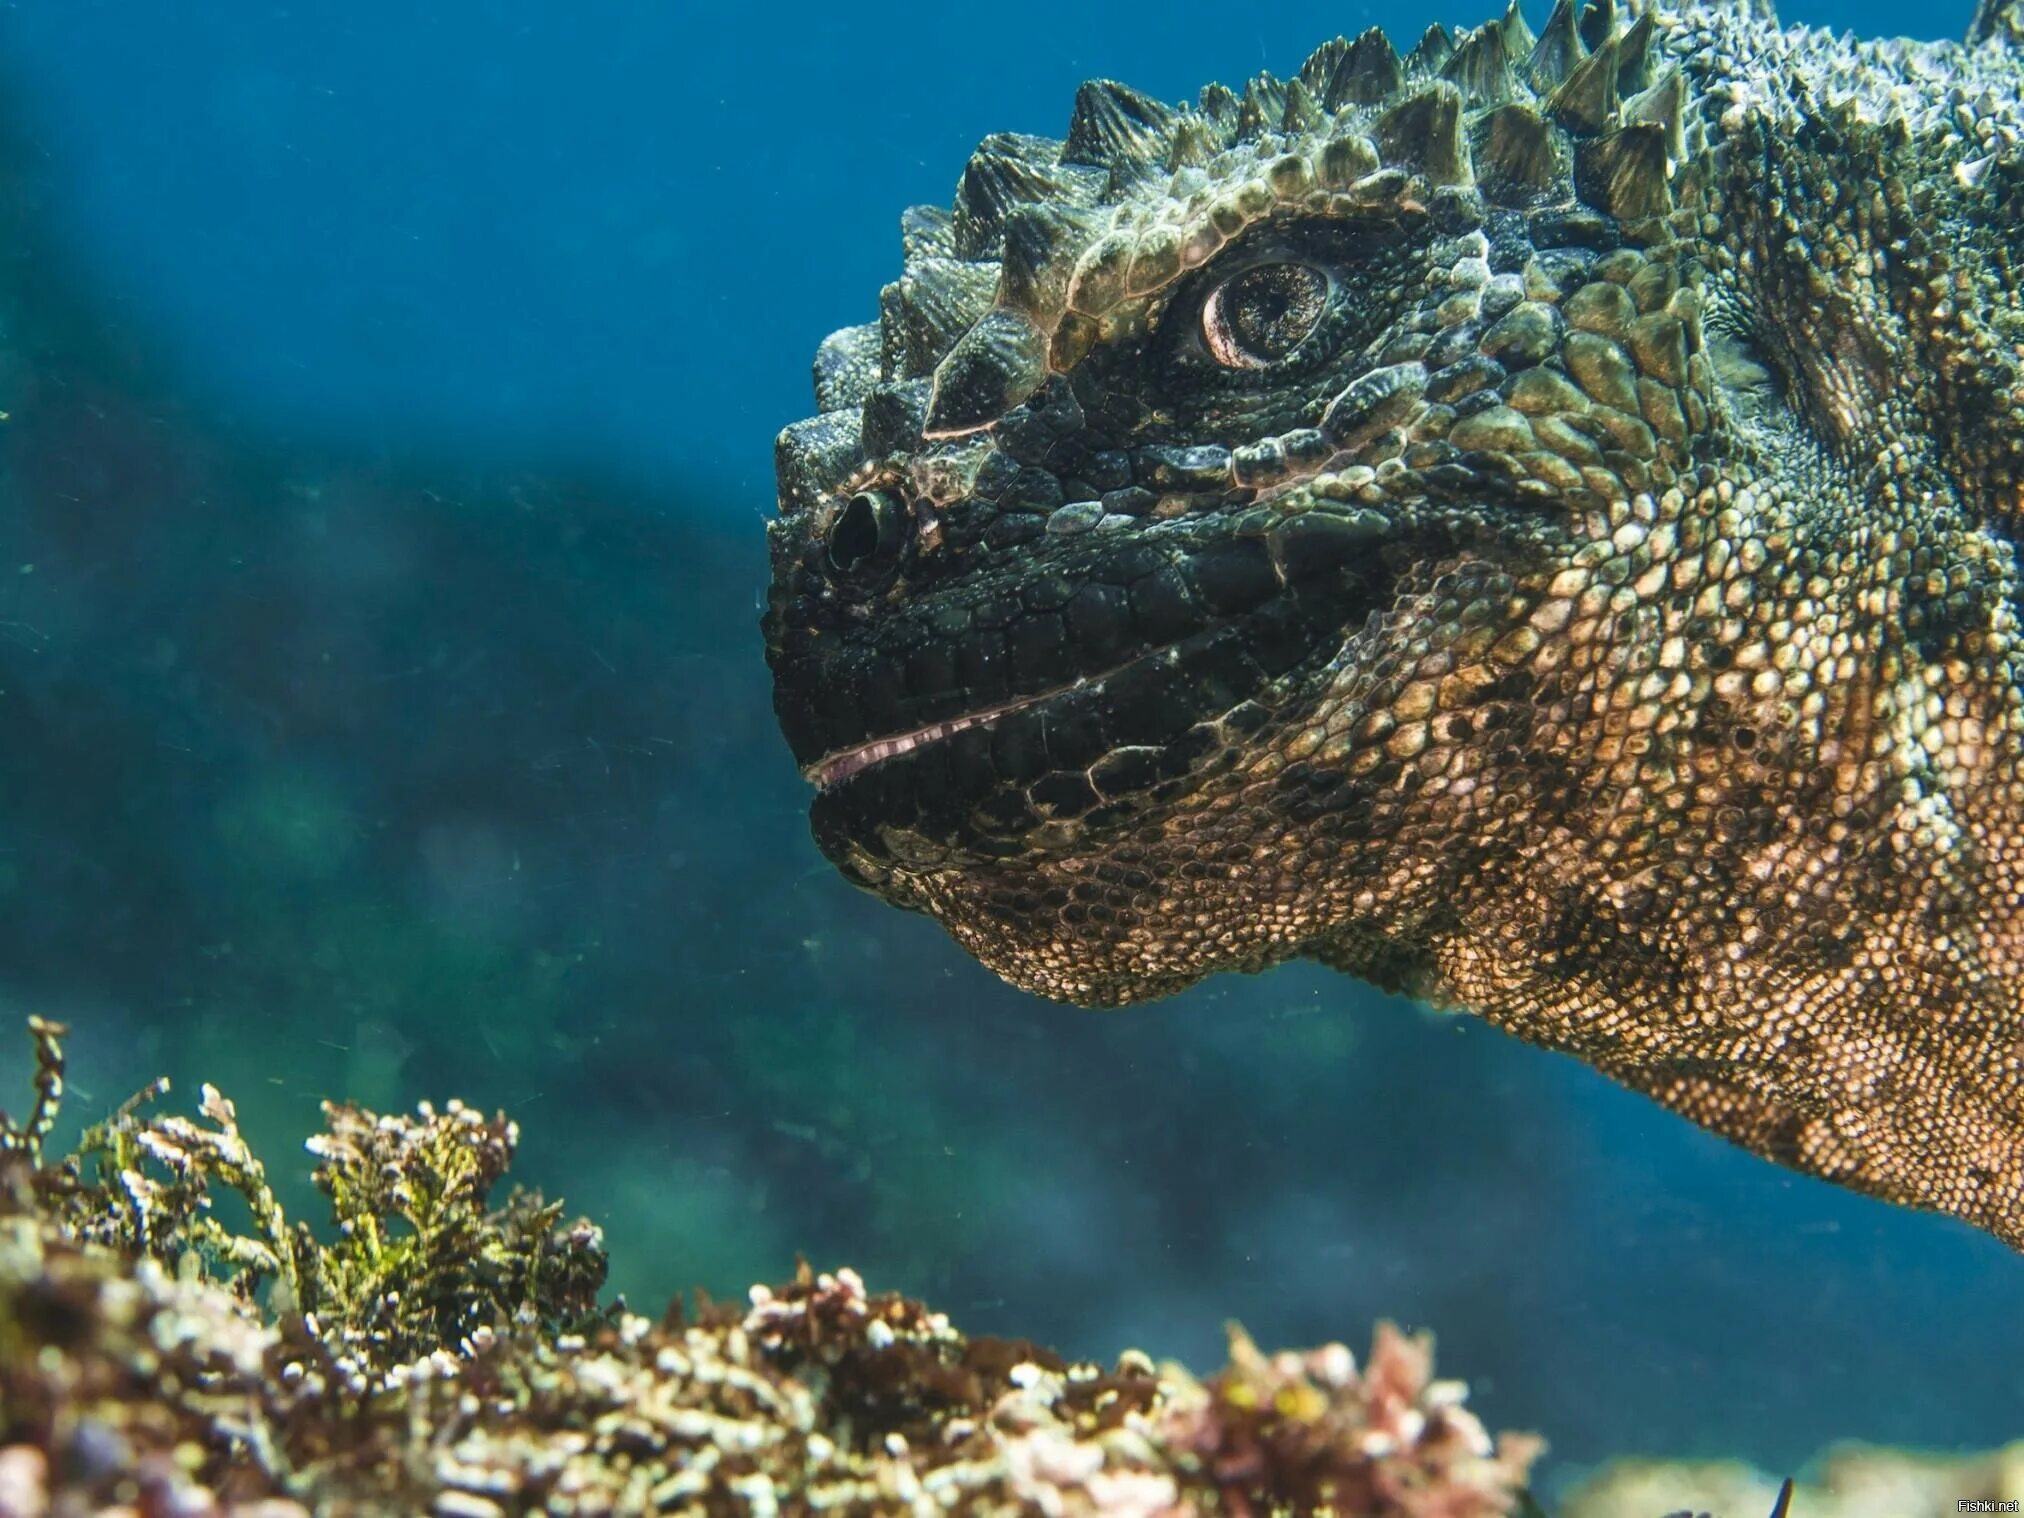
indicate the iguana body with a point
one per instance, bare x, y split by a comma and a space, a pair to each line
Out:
1532, 523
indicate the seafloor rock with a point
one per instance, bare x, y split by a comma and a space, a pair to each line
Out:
1850, 1481
441, 1355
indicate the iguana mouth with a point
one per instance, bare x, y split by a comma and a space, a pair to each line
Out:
1157, 634
853, 693
838, 768
1090, 753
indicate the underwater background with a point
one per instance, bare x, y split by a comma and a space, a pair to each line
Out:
390, 393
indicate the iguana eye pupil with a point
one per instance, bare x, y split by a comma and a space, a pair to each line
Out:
866, 533
1254, 319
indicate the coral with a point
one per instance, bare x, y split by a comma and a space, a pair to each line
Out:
1849, 1481
442, 1355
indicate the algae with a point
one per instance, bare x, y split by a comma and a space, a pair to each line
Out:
434, 1352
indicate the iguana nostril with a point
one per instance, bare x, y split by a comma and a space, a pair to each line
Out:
866, 533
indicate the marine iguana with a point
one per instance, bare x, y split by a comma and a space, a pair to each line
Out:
1532, 522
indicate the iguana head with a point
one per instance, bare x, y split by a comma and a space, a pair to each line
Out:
1531, 522
1185, 435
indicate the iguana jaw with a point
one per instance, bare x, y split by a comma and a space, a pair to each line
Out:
1122, 720
1316, 572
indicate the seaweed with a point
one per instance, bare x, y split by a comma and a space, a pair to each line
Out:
434, 1352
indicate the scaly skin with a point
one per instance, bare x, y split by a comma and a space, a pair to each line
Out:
1532, 524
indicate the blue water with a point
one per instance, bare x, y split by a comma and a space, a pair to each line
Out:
353, 827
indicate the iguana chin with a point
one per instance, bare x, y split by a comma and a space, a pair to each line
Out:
1532, 523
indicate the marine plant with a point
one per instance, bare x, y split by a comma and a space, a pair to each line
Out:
433, 1351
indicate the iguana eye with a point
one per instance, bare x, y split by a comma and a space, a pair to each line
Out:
866, 536
1257, 317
